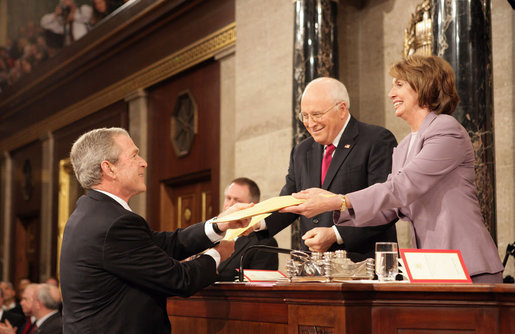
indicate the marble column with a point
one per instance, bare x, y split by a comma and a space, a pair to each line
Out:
462, 36
315, 55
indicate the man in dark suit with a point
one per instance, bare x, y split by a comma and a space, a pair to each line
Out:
342, 155
6, 317
10, 302
27, 304
116, 273
47, 301
245, 190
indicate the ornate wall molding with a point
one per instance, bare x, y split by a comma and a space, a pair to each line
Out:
418, 37
177, 62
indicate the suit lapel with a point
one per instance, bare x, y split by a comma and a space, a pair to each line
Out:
399, 156
420, 133
314, 164
343, 149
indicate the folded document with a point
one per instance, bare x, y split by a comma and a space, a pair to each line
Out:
267, 206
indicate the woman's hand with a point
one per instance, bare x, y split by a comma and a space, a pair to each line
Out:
317, 201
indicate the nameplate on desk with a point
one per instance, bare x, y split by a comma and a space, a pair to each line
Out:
435, 266
255, 275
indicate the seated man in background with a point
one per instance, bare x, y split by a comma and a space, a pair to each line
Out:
244, 190
22, 284
46, 305
11, 305
27, 302
9, 318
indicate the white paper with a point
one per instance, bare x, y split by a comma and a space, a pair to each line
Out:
435, 266
254, 275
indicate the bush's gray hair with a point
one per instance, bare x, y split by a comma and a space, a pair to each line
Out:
90, 150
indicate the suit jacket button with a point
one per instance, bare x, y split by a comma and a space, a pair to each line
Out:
315, 221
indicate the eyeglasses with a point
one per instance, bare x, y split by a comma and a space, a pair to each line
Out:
316, 116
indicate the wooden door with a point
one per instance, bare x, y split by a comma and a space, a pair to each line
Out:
26, 248
26, 224
185, 204
184, 152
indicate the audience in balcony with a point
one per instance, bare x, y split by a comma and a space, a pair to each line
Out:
35, 43
67, 23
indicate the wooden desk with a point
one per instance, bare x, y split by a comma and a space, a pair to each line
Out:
346, 308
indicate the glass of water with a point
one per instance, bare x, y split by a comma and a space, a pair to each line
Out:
386, 261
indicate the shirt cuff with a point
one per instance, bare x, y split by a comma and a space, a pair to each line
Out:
262, 226
215, 255
339, 239
210, 232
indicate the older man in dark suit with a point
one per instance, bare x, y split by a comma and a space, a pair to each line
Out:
342, 155
116, 273
47, 301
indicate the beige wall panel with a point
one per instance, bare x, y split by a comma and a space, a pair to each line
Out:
227, 121
263, 133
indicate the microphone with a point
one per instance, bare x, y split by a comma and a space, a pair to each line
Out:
263, 248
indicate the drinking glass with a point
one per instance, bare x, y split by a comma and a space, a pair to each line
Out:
386, 261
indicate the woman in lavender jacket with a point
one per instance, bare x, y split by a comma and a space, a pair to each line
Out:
432, 180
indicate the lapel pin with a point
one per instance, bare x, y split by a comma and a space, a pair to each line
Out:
347, 146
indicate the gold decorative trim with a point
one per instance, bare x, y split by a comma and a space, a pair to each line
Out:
167, 67
204, 206
65, 179
179, 212
418, 37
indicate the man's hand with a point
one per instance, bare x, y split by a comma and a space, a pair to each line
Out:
237, 223
317, 201
7, 328
319, 239
225, 248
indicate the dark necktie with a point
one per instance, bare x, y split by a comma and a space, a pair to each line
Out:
27, 326
328, 156
34, 328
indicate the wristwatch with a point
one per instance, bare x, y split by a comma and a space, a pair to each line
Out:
343, 207
215, 226
217, 229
